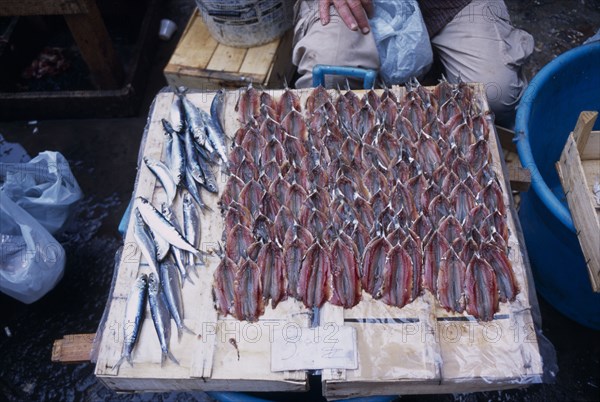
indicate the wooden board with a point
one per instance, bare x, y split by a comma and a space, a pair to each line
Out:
74, 348
442, 352
208, 360
417, 349
578, 176
200, 62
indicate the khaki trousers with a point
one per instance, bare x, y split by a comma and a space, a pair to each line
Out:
478, 45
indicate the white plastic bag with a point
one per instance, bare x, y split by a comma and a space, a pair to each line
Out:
44, 187
402, 40
31, 260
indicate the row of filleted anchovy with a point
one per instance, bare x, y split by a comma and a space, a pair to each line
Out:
194, 142
391, 196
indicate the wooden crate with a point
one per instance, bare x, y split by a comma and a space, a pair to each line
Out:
120, 88
199, 61
417, 349
579, 172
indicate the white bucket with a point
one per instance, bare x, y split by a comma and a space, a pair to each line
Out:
246, 23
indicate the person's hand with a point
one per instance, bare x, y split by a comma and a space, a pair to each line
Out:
354, 13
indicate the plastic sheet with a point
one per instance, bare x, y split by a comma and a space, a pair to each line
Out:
32, 261
402, 40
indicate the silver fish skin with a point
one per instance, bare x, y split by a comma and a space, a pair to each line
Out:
160, 317
145, 240
191, 224
196, 123
134, 316
159, 224
210, 181
177, 115
192, 166
169, 280
178, 255
163, 174
216, 134
162, 246
175, 154
192, 188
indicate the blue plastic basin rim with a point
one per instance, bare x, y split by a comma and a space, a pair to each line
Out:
523, 146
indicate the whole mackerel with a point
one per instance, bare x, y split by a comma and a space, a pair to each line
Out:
160, 225
160, 317
196, 123
144, 239
134, 316
169, 279
216, 134
178, 254
164, 176
191, 224
175, 154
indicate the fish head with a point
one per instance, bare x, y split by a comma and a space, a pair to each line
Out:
141, 282
153, 283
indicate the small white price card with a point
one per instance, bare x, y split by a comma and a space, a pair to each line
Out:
328, 347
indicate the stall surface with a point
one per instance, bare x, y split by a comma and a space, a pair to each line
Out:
103, 155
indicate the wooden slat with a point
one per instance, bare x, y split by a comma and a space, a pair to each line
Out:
582, 207
520, 178
227, 59
73, 348
196, 47
42, 7
583, 128
506, 137
95, 47
259, 58
199, 61
592, 149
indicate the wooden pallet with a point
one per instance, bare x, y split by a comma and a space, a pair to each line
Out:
417, 349
579, 170
199, 61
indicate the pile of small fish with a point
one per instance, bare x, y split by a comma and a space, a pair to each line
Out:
390, 196
195, 142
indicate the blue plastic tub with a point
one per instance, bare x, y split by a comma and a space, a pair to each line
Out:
547, 114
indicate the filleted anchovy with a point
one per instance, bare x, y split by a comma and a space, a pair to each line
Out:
398, 196
157, 222
171, 286
163, 174
160, 317
135, 309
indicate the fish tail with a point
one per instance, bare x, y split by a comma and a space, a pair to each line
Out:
170, 356
188, 278
122, 360
192, 267
185, 328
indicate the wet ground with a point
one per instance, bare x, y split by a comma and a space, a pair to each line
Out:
102, 154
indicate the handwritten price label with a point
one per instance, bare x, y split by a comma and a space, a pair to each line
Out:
327, 347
